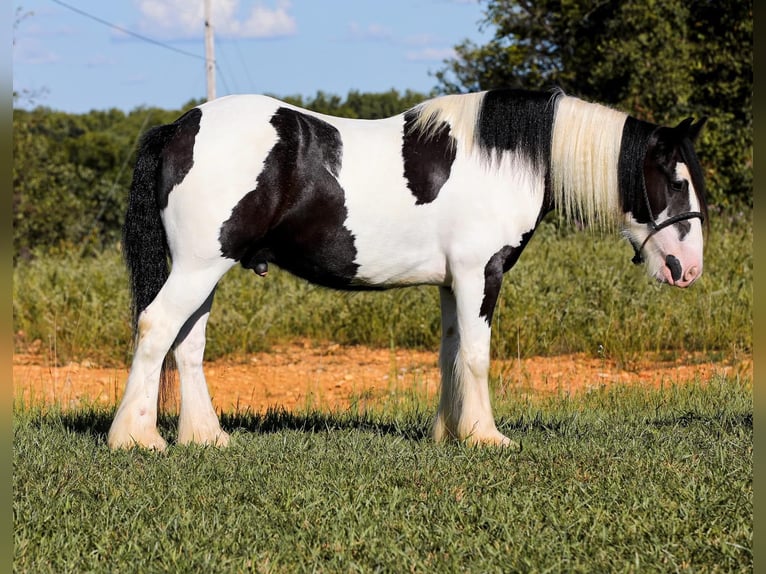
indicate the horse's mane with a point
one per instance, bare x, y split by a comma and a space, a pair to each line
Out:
585, 155
695, 170
575, 142
460, 111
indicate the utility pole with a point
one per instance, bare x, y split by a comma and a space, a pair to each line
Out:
209, 53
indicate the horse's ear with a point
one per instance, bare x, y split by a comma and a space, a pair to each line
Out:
690, 129
664, 144
695, 129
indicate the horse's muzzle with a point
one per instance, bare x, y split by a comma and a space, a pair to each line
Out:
677, 275
675, 267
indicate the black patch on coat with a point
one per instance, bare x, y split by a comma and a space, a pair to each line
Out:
499, 264
177, 156
427, 158
518, 121
295, 215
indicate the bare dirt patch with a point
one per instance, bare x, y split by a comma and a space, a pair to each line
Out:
329, 376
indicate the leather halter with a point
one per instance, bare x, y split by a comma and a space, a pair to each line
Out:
638, 258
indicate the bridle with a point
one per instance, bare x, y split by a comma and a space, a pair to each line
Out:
638, 258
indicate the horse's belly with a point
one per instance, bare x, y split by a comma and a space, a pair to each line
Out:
385, 264
394, 263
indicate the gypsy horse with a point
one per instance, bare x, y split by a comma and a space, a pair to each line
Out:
447, 194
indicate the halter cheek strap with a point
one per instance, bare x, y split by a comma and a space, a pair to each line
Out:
638, 258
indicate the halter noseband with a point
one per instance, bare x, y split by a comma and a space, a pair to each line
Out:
638, 258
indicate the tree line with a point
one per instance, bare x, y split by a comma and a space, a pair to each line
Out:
657, 60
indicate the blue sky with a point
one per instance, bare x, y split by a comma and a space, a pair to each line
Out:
66, 61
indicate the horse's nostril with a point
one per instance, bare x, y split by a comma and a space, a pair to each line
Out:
691, 273
675, 267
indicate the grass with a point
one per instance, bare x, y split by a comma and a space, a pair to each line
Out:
620, 480
569, 292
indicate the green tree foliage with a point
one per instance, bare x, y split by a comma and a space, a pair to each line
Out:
72, 172
657, 60
370, 106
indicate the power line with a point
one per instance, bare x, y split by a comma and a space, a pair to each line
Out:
141, 37
223, 78
244, 65
128, 32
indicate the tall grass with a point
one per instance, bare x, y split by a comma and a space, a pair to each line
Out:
569, 292
619, 480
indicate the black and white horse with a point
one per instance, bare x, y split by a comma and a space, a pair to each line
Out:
447, 194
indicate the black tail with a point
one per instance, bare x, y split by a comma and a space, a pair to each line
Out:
144, 242
143, 236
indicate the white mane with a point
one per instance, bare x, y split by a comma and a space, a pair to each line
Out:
585, 152
461, 111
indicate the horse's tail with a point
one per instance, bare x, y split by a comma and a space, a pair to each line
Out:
144, 243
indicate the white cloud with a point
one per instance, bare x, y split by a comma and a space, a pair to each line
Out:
185, 19
430, 54
31, 50
36, 56
423, 39
134, 80
99, 60
31, 40
369, 32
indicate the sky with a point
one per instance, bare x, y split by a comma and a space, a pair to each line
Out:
75, 63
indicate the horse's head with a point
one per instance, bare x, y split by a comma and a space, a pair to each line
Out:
664, 219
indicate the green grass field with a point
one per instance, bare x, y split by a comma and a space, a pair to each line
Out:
624, 480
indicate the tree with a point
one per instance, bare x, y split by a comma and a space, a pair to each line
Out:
657, 60
369, 106
71, 173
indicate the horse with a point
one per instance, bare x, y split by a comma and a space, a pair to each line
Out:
447, 193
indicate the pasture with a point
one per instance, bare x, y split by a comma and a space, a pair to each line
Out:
614, 480
626, 480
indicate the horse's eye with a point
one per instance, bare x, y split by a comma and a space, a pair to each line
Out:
679, 186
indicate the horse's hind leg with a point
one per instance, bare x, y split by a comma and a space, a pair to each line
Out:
197, 422
465, 412
185, 291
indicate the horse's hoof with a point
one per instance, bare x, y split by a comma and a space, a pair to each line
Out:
509, 444
494, 439
150, 441
217, 438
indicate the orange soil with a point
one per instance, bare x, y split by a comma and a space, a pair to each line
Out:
330, 376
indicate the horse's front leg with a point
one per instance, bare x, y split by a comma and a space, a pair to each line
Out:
465, 411
197, 422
